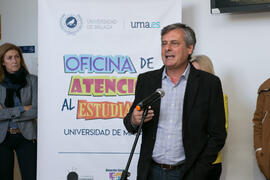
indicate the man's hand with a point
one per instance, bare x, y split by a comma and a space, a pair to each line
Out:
1, 106
137, 116
26, 108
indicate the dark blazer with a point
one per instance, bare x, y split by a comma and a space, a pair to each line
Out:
203, 123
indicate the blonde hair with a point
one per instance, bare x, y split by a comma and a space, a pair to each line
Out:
5, 48
204, 62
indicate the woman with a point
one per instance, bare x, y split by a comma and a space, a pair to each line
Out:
203, 63
18, 113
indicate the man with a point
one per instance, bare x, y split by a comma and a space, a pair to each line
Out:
184, 131
261, 129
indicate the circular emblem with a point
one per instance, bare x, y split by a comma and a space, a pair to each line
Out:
71, 24
72, 176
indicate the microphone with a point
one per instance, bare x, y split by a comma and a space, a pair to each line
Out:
159, 93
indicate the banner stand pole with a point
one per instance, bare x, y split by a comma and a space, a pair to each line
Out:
125, 173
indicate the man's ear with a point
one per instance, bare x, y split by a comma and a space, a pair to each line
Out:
190, 49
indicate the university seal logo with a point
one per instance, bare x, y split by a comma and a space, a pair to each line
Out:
71, 24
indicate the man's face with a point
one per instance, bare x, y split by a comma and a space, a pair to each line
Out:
174, 51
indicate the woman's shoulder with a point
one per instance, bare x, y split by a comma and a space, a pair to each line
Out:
32, 79
31, 76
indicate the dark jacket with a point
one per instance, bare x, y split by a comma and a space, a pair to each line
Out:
203, 123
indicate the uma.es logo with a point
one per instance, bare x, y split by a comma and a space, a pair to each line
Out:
71, 24
144, 24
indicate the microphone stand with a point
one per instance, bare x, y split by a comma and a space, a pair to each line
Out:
125, 173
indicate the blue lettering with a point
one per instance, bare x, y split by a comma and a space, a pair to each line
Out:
98, 64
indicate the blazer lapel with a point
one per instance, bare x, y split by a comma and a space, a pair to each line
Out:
157, 82
2, 95
191, 89
26, 93
158, 78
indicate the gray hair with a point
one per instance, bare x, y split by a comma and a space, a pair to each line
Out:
190, 37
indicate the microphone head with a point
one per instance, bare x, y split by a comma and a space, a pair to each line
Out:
160, 91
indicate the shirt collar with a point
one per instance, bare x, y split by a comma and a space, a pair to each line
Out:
184, 75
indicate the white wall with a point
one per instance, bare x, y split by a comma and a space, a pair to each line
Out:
238, 47
19, 26
237, 44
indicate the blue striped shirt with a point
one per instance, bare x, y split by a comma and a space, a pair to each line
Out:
168, 147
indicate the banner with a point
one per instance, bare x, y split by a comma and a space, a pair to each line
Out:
90, 54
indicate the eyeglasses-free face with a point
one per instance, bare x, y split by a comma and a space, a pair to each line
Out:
12, 61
